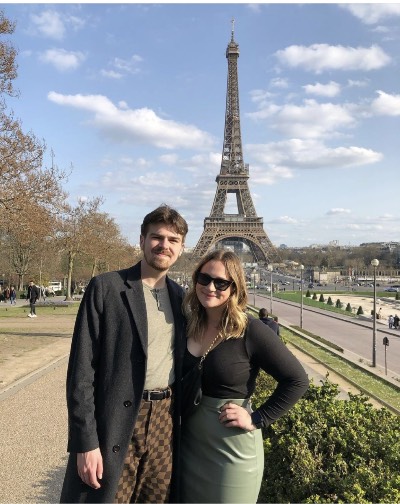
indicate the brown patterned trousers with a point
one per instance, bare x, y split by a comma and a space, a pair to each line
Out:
146, 473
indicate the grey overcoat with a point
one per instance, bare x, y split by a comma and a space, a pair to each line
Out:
106, 376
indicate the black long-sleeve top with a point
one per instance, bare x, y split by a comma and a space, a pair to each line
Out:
231, 368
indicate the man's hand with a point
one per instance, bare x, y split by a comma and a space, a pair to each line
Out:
90, 467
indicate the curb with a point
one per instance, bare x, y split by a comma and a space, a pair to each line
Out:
17, 385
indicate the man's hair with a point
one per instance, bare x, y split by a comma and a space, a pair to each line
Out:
164, 214
263, 313
234, 319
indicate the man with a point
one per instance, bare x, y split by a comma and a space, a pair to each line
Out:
263, 316
126, 354
32, 296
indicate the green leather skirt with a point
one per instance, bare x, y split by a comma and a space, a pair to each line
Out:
219, 464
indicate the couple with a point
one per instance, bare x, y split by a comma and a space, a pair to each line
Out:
134, 337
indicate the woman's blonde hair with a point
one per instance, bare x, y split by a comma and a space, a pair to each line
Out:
234, 319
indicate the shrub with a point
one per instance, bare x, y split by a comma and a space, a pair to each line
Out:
339, 304
397, 296
308, 294
314, 296
322, 450
360, 311
321, 298
329, 302
348, 307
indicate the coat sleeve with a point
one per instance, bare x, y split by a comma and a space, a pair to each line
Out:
270, 354
81, 374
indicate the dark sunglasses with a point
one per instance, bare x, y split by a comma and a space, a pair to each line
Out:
219, 283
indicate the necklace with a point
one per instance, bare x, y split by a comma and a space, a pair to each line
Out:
209, 349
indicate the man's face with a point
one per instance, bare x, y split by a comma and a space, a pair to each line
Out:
161, 246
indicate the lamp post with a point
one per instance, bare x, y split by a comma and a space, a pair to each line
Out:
301, 291
375, 264
270, 268
254, 287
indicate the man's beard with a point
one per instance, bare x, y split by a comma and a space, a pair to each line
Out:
156, 262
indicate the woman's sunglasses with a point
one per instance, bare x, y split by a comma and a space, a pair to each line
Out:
219, 283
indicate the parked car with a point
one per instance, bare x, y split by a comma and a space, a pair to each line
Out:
392, 289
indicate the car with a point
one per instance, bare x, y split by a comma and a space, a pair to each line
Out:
310, 286
319, 284
392, 289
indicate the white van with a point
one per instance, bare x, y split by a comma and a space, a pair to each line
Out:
55, 286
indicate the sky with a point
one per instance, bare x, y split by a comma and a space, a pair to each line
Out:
131, 99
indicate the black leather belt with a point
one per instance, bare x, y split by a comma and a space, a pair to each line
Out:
157, 395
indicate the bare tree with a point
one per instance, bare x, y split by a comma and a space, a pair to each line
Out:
73, 232
21, 154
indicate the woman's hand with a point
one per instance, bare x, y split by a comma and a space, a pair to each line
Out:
233, 415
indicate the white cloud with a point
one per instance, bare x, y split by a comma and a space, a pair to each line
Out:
374, 12
139, 125
53, 24
279, 82
338, 211
386, 104
49, 24
310, 120
129, 65
331, 89
111, 74
311, 154
63, 60
321, 57
259, 95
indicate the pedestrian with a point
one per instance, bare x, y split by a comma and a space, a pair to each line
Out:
391, 321
222, 455
126, 355
13, 295
32, 297
270, 322
396, 321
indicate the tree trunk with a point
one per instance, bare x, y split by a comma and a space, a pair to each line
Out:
71, 257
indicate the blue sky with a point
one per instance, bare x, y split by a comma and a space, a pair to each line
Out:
133, 96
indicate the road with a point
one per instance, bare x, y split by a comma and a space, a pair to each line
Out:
357, 338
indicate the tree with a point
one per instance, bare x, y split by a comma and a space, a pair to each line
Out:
103, 237
338, 303
22, 177
321, 298
360, 311
329, 302
348, 307
73, 233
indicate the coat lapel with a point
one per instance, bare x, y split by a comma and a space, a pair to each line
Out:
136, 302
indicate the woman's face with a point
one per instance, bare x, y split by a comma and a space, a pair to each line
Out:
209, 296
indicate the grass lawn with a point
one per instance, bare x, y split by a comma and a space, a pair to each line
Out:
385, 391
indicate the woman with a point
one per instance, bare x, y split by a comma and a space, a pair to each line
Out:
222, 450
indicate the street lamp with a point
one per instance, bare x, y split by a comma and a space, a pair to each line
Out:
270, 268
254, 287
375, 264
301, 290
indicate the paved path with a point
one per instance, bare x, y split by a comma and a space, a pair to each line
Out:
33, 437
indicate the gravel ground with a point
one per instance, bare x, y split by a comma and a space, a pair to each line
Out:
33, 440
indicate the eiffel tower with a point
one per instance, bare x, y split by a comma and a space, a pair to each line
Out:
245, 226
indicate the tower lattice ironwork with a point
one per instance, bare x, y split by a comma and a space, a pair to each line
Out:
245, 226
